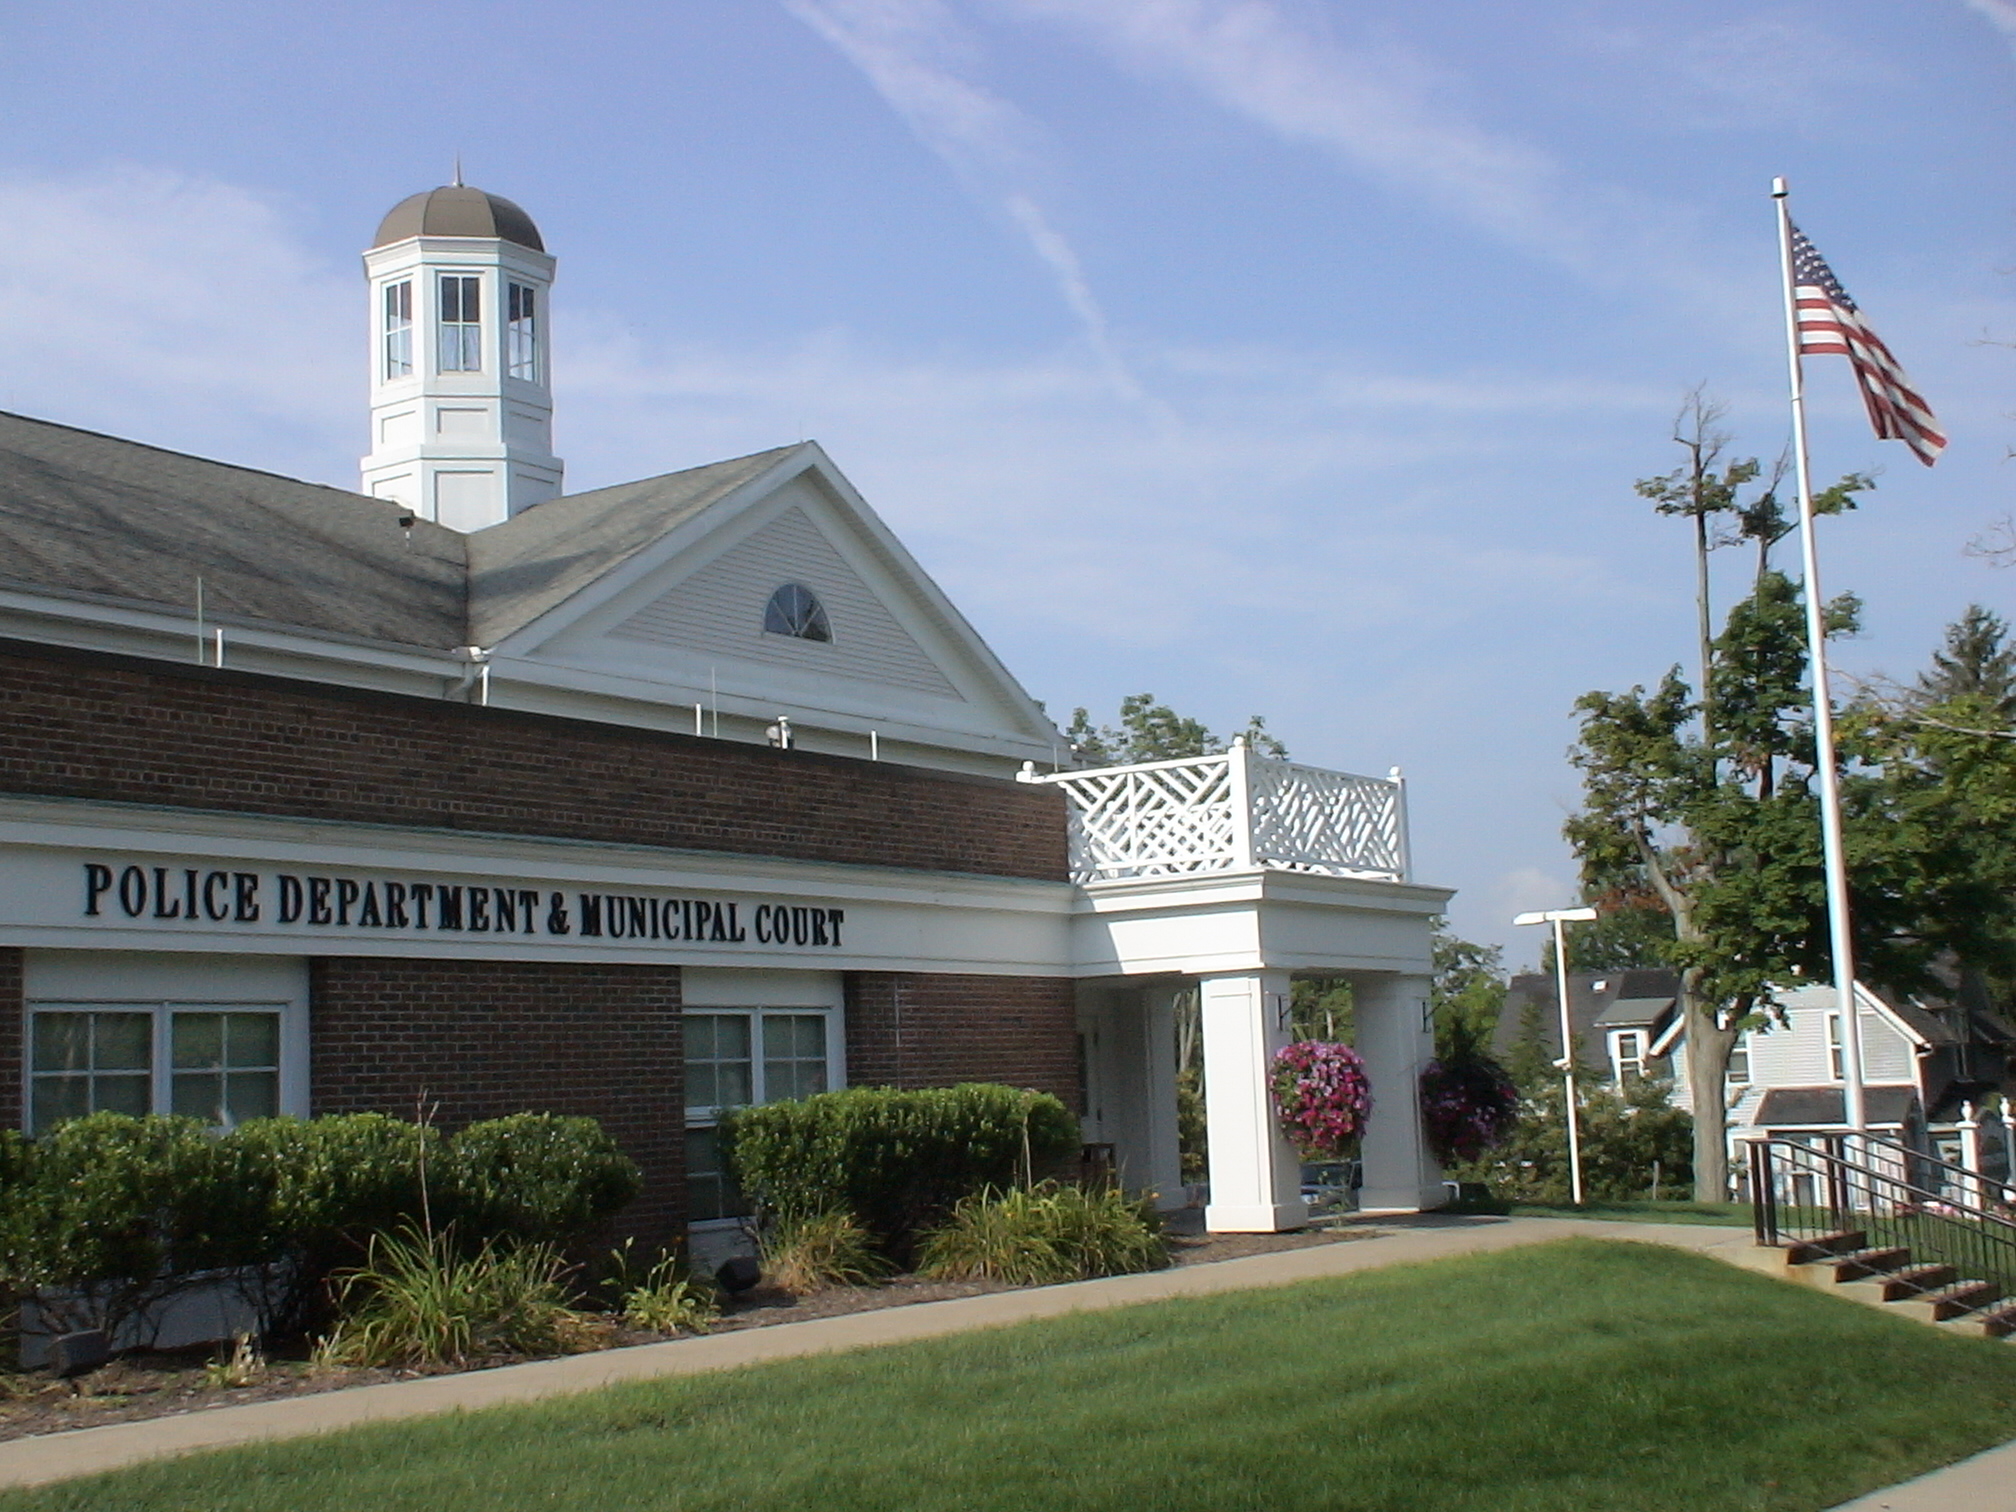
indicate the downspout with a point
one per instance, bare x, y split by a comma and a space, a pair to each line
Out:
475, 676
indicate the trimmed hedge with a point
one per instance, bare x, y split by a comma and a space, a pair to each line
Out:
898, 1160
106, 1218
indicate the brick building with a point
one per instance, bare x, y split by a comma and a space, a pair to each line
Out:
640, 803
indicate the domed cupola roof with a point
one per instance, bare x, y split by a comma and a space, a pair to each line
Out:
458, 210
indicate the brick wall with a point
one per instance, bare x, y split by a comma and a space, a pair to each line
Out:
13, 1020
89, 725
911, 1029
487, 1038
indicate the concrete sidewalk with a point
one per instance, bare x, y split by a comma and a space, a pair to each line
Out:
1984, 1484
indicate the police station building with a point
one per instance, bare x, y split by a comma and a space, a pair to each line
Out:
464, 791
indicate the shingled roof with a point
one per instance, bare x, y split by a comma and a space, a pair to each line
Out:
93, 517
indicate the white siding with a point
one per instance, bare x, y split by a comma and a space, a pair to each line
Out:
719, 612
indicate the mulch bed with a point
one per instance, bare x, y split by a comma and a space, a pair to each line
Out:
158, 1384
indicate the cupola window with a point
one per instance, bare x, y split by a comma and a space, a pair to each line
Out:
399, 329
521, 335
795, 610
461, 324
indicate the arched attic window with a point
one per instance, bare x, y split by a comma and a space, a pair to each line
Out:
795, 610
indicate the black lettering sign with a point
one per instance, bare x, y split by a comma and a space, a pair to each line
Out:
97, 881
192, 895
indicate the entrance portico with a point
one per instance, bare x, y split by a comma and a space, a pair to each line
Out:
1228, 876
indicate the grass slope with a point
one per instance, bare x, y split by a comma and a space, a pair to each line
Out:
1574, 1375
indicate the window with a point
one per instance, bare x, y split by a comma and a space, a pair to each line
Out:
461, 323
1627, 1054
735, 1059
220, 1064
1837, 1054
399, 329
521, 334
795, 610
1739, 1060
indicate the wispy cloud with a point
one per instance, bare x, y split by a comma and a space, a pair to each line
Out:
180, 310
920, 60
1379, 114
2001, 14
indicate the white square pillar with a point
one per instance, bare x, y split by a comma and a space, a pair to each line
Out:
1396, 1040
1256, 1179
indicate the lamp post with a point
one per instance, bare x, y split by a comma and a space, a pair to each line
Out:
1559, 918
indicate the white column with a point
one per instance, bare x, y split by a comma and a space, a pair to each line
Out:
1256, 1179
1164, 1171
1396, 1040
1971, 1190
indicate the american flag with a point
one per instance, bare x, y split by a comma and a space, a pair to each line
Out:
1829, 322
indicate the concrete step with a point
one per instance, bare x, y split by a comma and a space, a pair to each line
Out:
1916, 1280
1858, 1265
1998, 1322
1823, 1245
1962, 1298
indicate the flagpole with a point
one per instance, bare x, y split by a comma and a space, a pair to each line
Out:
1842, 943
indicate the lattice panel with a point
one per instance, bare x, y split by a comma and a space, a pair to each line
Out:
1160, 819
1171, 818
1307, 818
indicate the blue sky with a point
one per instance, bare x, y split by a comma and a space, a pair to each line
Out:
1269, 355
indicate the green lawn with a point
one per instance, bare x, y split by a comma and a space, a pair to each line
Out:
1734, 1214
1576, 1375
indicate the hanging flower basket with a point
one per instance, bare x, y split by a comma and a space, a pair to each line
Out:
1323, 1098
1468, 1106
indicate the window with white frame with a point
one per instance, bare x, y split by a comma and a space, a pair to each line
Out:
222, 1063
461, 323
521, 332
736, 1058
399, 329
1627, 1054
1837, 1053
1739, 1060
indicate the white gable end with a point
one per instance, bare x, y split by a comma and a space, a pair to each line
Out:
718, 612
681, 623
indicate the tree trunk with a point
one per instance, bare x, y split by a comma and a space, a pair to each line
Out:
1707, 1045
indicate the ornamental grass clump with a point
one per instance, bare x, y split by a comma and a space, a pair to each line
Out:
1323, 1098
1035, 1236
420, 1301
805, 1255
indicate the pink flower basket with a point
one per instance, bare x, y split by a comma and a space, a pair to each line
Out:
1322, 1096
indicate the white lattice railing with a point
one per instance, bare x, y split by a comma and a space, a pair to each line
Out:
1232, 812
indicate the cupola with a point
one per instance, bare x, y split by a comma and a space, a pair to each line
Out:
461, 383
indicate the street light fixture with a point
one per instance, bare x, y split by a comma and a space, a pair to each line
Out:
1560, 918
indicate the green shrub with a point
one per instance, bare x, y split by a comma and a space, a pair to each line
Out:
804, 1255
538, 1176
663, 1296
111, 1212
1035, 1236
417, 1301
331, 1183
898, 1160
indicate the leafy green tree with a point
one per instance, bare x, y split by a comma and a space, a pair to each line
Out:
1635, 1144
1976, 661
1151, 731
1466, 991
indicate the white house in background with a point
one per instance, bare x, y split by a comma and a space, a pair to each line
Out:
1924, 1063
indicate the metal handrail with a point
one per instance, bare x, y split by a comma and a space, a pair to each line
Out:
1954, 1174
1801, 1192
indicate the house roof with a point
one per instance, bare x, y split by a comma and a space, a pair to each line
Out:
94, 516
91, 516
538, 559
1598, 1001
1819, 1107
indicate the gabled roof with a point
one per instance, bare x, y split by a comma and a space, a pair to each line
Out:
537, 560
1818, 1107
1598, 1001
84, 515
